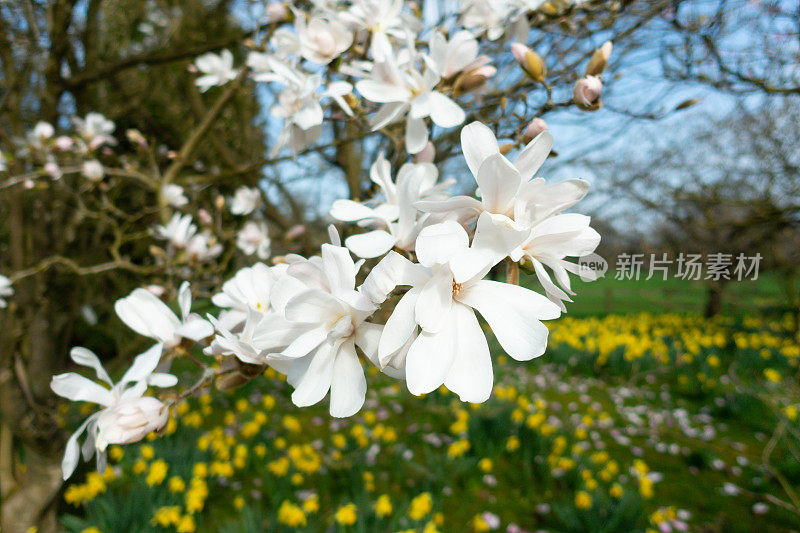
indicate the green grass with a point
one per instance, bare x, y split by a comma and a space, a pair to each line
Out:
608, 295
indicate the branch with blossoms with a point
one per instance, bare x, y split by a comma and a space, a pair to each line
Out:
404, 289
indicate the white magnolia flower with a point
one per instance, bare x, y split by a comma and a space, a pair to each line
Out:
317, 298
3, 165
173, 195
178, 231
95, 129
253, 238
458, 54
127, 417
299, 102
446, 288
6, 291
406, 90
398, 218
92, 170
322, 39
382, 18
203, 247
490, 16
508, 191
40, 133
553, 239
248, 289
216, 69
245, 200
147, 315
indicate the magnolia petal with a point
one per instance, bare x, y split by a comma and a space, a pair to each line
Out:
314, 380
144, 364
471, 375
437, 243
434, 301
477, 142
499, 182
533, 155
514, 314
78, 388
348, 384
445, 112
416, 135
399, 326
430, 357
371, 244
86, 357
339, 267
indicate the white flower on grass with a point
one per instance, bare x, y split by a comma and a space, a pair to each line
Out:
245, 200
399, 220
321, 40
128, 416
6, 291
92, 170
447, 286
253, 238
173, 195
406, 90
147, 315
318, 298
178, 231
550, 242
95, 129
508, 191
216, 69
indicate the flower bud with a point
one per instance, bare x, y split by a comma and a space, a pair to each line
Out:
426, 155
599, 60
92, 170
586, 93
130, 421
534, 128
475, 78
295, 232
506, 148
531, 62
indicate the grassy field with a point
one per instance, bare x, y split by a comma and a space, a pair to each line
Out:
637, 422
608, 295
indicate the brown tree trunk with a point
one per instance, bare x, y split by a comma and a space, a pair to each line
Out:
714, 292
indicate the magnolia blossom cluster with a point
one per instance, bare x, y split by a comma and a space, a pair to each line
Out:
405, 290
340, 51
413, 313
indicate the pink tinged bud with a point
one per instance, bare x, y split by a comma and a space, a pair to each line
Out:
130, 421
52, 170
204, 217
533, 129
64, 143
587, 92
426, 155
157, 290
519, 50
475, 78
295, 232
